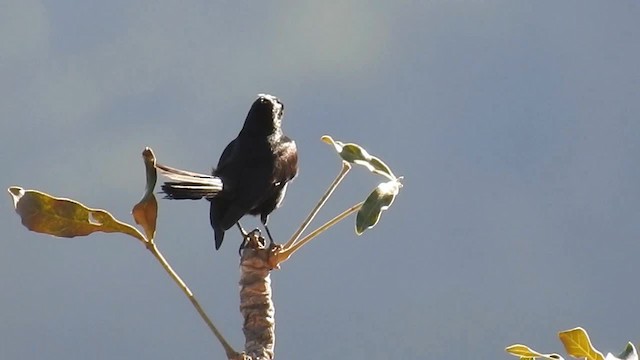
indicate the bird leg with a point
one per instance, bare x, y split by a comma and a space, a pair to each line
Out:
269, 235
244, 233
245, 238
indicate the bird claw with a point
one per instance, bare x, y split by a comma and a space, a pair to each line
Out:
252, 239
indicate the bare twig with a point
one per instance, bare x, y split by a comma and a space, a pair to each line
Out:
231, 353
284, 254
343, 172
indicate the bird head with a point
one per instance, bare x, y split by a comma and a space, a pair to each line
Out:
265, 115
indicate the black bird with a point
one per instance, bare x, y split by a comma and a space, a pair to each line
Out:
255, 169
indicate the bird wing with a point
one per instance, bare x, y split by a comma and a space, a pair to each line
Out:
247, 193
226, 157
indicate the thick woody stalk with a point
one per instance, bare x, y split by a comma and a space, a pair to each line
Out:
256, 305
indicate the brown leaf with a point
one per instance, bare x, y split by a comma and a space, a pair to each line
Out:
43, 213
145, 212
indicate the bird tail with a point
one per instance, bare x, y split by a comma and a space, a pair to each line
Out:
188, 185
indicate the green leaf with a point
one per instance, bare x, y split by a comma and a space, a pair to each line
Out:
629, 353
379, 200
145, 212
356, 154
63, 217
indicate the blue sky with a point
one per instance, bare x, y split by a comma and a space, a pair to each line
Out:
514, 123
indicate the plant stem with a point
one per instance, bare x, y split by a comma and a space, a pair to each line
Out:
231, 353
343, 172
287, 252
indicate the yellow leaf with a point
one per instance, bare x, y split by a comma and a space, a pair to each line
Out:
145, 212
525, 352
577, 344
62, 217
522, 351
